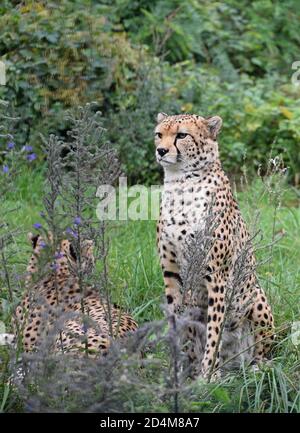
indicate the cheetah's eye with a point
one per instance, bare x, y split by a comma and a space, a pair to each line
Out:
181, 135
158, 134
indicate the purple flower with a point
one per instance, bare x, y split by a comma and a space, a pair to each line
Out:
37, 225
10, 145
5, 169
59, 255
71, 232
43, 244
27, 148
31, 156
77, 221
54, 266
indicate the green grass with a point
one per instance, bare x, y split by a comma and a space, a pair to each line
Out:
137, 284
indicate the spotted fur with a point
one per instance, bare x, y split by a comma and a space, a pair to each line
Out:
194, 185
53, 296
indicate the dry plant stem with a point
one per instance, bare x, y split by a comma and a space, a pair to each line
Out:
50, 200
88, 163
175, 353
79, 242
104, 251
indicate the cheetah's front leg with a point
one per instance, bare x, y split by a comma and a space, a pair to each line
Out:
171, 275
172, 283
215, 319
263, 322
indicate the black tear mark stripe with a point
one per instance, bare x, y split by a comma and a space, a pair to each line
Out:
169, 274
175, 144
34, 241
72, 252
193, 138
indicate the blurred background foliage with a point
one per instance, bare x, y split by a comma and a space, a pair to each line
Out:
138, 57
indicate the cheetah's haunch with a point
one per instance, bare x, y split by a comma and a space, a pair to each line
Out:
54, 303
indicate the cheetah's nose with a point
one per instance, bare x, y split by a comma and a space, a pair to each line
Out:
161, 151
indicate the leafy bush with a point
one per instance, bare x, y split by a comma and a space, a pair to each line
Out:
59, 55
135, 58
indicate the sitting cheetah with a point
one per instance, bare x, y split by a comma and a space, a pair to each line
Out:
195, 186
55, 297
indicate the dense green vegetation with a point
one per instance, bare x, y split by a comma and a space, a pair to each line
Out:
137, 284
135, 58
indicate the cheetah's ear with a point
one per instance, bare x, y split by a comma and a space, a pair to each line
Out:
33, 239
88, 244
160, 117
88, 248
214, 124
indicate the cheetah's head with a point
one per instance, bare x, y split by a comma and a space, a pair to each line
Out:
186, 142
66, 257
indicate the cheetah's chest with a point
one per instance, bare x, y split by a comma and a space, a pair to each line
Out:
184, 211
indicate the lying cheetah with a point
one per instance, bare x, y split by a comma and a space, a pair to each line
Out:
56, 297
194, 186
